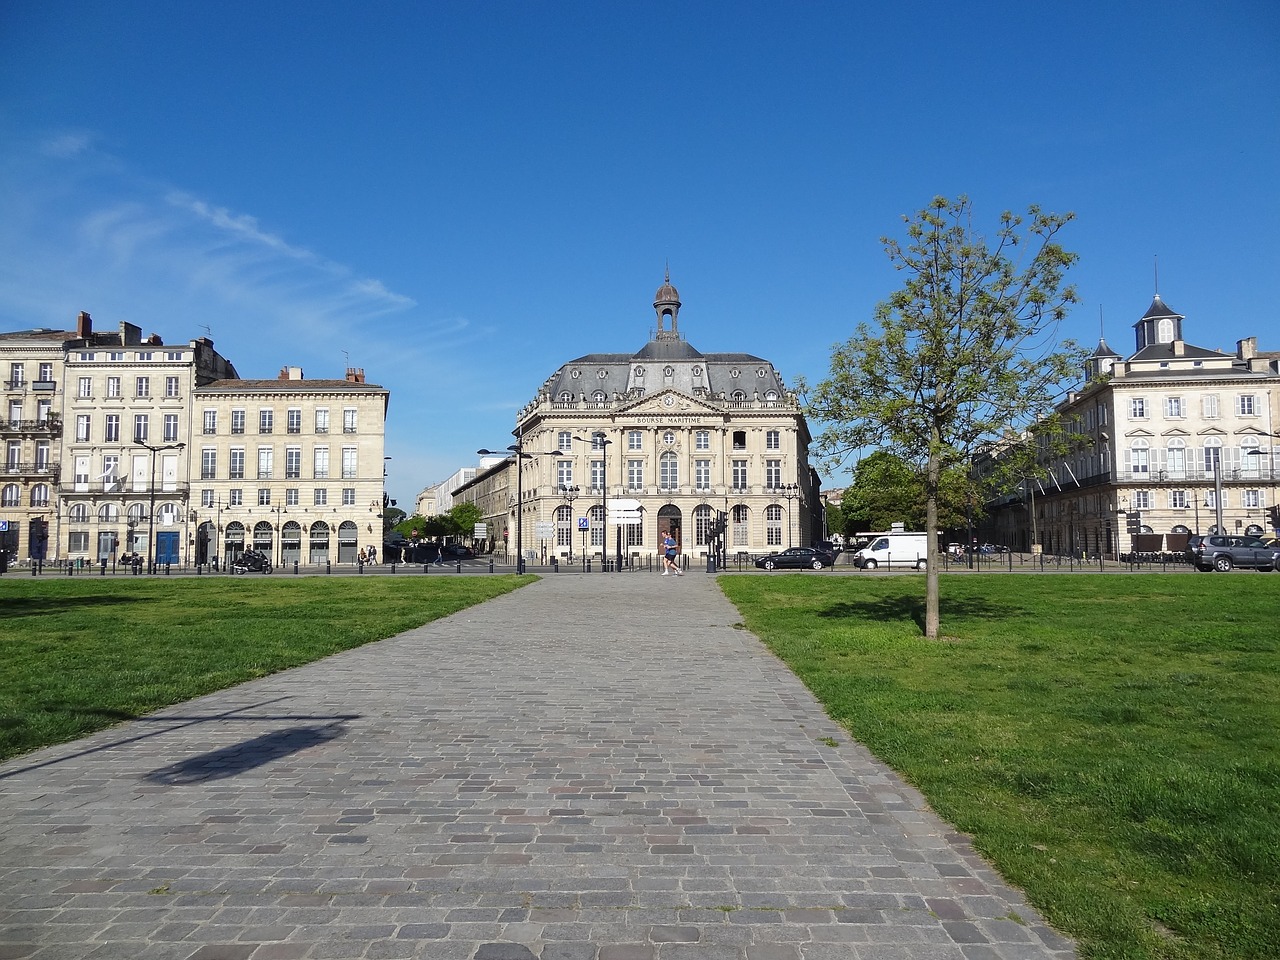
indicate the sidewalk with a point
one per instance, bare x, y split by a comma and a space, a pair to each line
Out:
590, 768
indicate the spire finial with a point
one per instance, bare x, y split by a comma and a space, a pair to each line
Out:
668, 273
1156, 259
1102, 331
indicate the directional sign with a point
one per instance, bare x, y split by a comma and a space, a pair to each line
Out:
624, 520
623, 503
481, 531
544, 530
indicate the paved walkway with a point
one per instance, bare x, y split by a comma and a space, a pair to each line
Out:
593, 768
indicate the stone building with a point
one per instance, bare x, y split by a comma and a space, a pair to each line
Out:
685, 434
1174, 439
118, 443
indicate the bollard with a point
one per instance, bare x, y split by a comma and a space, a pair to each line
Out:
588, 562
426, 568
459, 566
359, 566
328, 566
491, 564
295, 568
103, 564
555, 564
70, 569
33, 568
167, 568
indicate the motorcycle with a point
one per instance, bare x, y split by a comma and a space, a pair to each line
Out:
251, 561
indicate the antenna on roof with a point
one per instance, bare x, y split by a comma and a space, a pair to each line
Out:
347, 358
205, 328
1102, 332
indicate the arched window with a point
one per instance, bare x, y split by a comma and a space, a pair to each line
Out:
741, 525
1176, 455
564, 526
771, 395
263, 536
40, 495
135, 513
11, 495
1164, 331
702, 517
1140, 458
79, 513
109, 513
348, 542
668, 471
598, 396
319, 545
1212, 455
738, 396
773, 525
597, 526
1251, 457
566, 396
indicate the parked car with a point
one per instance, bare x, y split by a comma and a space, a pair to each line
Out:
797, 558
829, 546
456, 551
1222, 553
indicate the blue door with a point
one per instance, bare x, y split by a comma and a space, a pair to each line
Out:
166, 547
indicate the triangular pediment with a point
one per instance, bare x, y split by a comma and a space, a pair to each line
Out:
1211, 432
1176, 432
668, 402
1140, 432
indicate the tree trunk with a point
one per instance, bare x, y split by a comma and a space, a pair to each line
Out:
931, 569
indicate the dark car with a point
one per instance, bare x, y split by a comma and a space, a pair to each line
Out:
456, 551
1222, 553
797, 558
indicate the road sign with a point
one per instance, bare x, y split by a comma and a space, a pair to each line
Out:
584, 523
481, 531
624, 521
623, 503
544, 530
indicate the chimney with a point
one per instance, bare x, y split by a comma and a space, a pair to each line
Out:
1179, 348
355, 374
84, 326
1247, 348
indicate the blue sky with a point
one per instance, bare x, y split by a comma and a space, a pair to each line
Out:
459, 197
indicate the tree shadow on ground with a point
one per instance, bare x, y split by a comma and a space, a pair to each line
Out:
18, 607
236, 759
901, 608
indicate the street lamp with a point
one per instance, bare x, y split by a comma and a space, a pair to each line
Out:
570, 494
600, 442
151, 518
789, 491
517, 449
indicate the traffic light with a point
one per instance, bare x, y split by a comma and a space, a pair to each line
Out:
719, 524
1274, 514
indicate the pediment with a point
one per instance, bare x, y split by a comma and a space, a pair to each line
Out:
1176, 432
669, 402
1140, 432
1211, 432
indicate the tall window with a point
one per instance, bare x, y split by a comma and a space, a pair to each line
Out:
294, 421
207, 497
668, 471
235, 497
211, 421
1142, 499
264, 496
84, 388
1209, 406
237, 421
170, 386
266, 420
322, 421
564, 473
321, 463
1174, 408
1139, 458
701, 525
111, 434
1246, 405
141, 427
773, 525
348, 463
1137, 408
1176, 457
142, 387
1178, 499
17, 374
291, 496
597, 474
564, 441
597, 441
348, 496
266, 458
564, 526
292, 463
773, 473
702, 474
237, 463
702, 440
170, 427
349, 420
1251, 499
319, 497
1212, 455
635, 440
597, 525
209, 463
741, 523
113, 386
773, 440
635, 474
739, 474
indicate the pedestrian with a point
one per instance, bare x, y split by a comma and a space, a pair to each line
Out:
373, 554
669, 556
363, 558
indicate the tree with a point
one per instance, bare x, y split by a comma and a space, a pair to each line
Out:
464, 517
888, 489
963, 356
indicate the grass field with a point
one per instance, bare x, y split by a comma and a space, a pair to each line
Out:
79, 655
1110, 742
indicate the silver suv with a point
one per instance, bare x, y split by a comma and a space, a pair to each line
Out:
1224, 552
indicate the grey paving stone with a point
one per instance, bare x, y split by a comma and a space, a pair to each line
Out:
531, 777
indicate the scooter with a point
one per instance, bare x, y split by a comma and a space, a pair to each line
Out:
251, 561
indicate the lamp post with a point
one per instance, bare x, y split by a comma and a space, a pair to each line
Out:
517, 449
789, 491
600, 442
151, 517
570, 494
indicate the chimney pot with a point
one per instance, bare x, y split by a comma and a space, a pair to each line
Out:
84, 326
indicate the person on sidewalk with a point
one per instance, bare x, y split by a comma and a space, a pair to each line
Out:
669, 556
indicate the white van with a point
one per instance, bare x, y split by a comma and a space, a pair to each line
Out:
894, 549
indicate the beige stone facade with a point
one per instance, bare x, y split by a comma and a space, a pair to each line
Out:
1165, 436
687, 435
110, 436
290, 467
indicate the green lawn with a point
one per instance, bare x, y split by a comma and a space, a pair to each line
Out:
1110, 742
79, 655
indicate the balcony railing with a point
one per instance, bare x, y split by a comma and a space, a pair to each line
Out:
51, 427
41, 468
